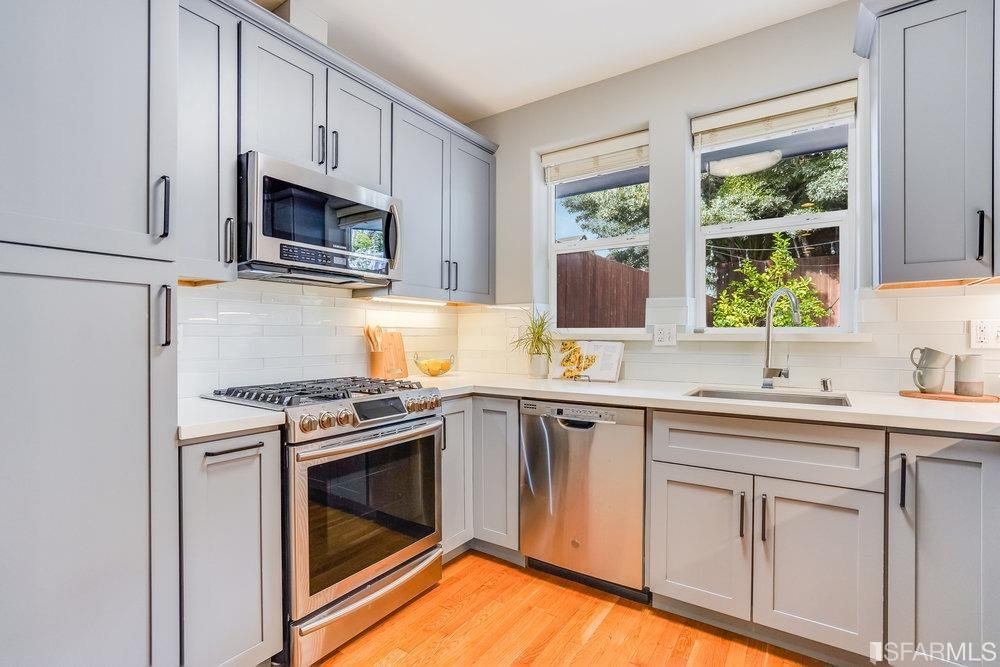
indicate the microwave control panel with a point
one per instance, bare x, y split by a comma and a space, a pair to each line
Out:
294, 253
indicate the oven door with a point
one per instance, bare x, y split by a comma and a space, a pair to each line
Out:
297, 218
360, 506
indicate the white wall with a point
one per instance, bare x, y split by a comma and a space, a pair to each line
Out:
810, 51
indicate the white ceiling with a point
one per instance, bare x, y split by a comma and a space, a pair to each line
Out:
475, 58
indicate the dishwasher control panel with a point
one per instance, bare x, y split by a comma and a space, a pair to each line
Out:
576, 412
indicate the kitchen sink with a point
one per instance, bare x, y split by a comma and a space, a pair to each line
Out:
772, 396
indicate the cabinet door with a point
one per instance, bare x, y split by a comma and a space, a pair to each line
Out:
456, 475
472, 222
89, 124
944, 543
231, 500
421, 169
495, 454
360, 125
88, 484
935, 133
282, 100
817, 569
700, 537
206, 141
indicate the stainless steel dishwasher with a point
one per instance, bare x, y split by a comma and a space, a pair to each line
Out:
582, 490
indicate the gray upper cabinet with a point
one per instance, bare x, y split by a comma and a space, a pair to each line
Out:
496, 457
206, 141
944, 543
282, 100
473, 199
231, 500
935, 120
88, 499
360, 126
89, 125
421, 176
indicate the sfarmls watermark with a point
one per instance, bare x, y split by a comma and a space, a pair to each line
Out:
964, 652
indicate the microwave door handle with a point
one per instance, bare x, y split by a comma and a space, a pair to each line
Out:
393, 224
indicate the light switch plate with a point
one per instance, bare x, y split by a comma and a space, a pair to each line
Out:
664, 334
984, 334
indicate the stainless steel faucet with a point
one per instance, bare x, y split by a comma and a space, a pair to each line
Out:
769, 372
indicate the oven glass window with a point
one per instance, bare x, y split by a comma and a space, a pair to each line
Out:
298, 214
366, 507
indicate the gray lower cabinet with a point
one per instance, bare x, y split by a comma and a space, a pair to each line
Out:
817, 562
495, 455
359, 121
944, 548
701, 537
457, 512
421, 177
472, 251
208, 81
935, 137
89, 125
88, 485
282, 100
231, 550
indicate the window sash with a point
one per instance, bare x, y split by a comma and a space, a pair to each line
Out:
771, 225
563, 247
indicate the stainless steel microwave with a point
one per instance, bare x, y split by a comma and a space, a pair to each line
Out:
298, 225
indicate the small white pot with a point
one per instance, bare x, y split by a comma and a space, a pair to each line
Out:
538, 366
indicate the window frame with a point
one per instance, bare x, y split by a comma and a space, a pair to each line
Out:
556, 248
845, 220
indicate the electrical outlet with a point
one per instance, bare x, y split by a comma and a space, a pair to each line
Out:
984, 334
664, 334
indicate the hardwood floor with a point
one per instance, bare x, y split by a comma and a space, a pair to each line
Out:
488, 612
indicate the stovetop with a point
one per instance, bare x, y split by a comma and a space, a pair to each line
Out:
310, 392
337, 406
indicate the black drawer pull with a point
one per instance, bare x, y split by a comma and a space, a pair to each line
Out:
743, 502
982, 234
763, 517
223, 452
902, 480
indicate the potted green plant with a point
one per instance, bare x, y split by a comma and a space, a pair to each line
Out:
536, 341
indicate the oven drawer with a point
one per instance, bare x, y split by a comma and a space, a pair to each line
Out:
834, 455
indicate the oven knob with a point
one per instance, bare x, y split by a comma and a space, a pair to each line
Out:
435, 401
411, 405
327, 420
308, 423
344, 417
425, 403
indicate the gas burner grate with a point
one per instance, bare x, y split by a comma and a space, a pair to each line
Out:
290, 394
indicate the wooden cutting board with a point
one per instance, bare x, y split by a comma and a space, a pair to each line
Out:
948, 396
390, 362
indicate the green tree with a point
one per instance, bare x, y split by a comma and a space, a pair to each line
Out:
615, 212
744, 302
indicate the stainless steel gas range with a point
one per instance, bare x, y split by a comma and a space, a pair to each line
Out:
362, 502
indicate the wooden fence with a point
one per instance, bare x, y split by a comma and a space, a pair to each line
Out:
593, 291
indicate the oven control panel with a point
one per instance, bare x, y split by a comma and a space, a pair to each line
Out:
323, 420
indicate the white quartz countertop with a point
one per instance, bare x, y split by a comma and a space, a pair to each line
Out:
866, 409
200, 418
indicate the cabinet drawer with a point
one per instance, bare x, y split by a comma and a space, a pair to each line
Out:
836, 455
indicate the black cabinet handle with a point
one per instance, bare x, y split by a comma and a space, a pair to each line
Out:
982, 234
447, 275
223, 452
743, 502
455, 286
902, 480
336, 149
166, 206
230, 241
322, 144
168, 325
763, 517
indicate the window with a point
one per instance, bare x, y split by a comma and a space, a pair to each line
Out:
774, 210
599, 234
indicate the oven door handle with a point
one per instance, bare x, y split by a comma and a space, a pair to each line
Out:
372, 443
417, 568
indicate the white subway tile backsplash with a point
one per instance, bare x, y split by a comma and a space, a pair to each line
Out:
197, 311
194, 347
261, 347
247, 312
330, 317
312, 345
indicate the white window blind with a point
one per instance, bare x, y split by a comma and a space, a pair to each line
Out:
596, 158
781, 114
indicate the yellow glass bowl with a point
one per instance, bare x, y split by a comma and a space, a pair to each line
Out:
434, 367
